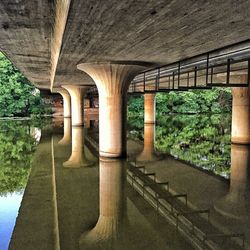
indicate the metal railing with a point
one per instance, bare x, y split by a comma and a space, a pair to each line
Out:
225, 67
228, 67
194, 223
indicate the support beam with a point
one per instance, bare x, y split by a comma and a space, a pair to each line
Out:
149, 108
112, 80
241, 115
148, 154
59, 24
77, 95
66, 102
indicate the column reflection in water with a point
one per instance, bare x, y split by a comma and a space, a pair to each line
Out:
109, 228
78, 157
67, 132
94, 123
236, 203
87, 123
148, 153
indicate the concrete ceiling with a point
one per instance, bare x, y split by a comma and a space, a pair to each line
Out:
25, 31
155, 31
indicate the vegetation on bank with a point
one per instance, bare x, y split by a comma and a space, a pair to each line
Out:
192, 126
214, 101
18, 97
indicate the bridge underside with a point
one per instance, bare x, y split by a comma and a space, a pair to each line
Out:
69, 46
46, 41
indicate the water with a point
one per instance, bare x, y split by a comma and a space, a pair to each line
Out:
202, 140
8, 212
74, 200
18, 140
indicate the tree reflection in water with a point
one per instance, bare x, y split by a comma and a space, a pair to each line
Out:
18, 140
202, 140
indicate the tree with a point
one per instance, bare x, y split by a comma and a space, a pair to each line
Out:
18, 97
203, 140
217, 100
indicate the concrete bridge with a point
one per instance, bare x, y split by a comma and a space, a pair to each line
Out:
69, 46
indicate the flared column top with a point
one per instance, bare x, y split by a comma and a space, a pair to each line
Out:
113, 77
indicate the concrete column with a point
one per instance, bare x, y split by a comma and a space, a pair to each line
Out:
66, 102
67, 132
236, 204
148, 153
241, 115
77, 158
76, 94
149, 108
112, 80
112, 207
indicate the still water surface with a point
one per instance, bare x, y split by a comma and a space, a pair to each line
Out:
202, 140
95, 203
18, 141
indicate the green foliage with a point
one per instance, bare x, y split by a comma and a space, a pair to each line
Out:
217, 100
202, 140
17, 147
135, 106
18, 97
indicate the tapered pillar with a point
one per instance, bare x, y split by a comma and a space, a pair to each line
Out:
241, 112
77, 158
66, 102
236, 204
112, 207
148, 153
112, 80
76, 94
149, 108
66, 132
